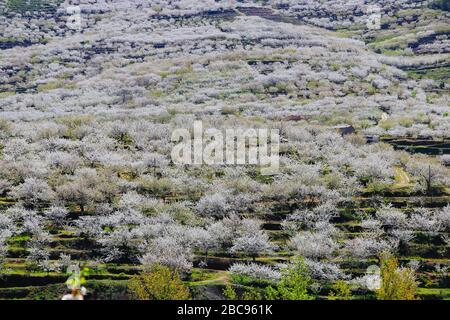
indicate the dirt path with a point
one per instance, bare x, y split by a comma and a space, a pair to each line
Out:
401, 177
222, 278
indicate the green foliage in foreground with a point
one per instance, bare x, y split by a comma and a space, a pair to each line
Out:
160, 283
229, 292
293, 285
341, 291
396, 283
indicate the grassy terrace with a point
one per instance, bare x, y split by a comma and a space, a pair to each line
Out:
85, 119
18, 280
32, 5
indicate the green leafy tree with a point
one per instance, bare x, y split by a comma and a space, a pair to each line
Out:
293, 284
396, 283
252, 294
272, 293
249, 293
160, 283
229, 292
341, 291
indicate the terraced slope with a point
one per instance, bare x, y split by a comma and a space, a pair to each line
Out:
108, 281
86, 118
